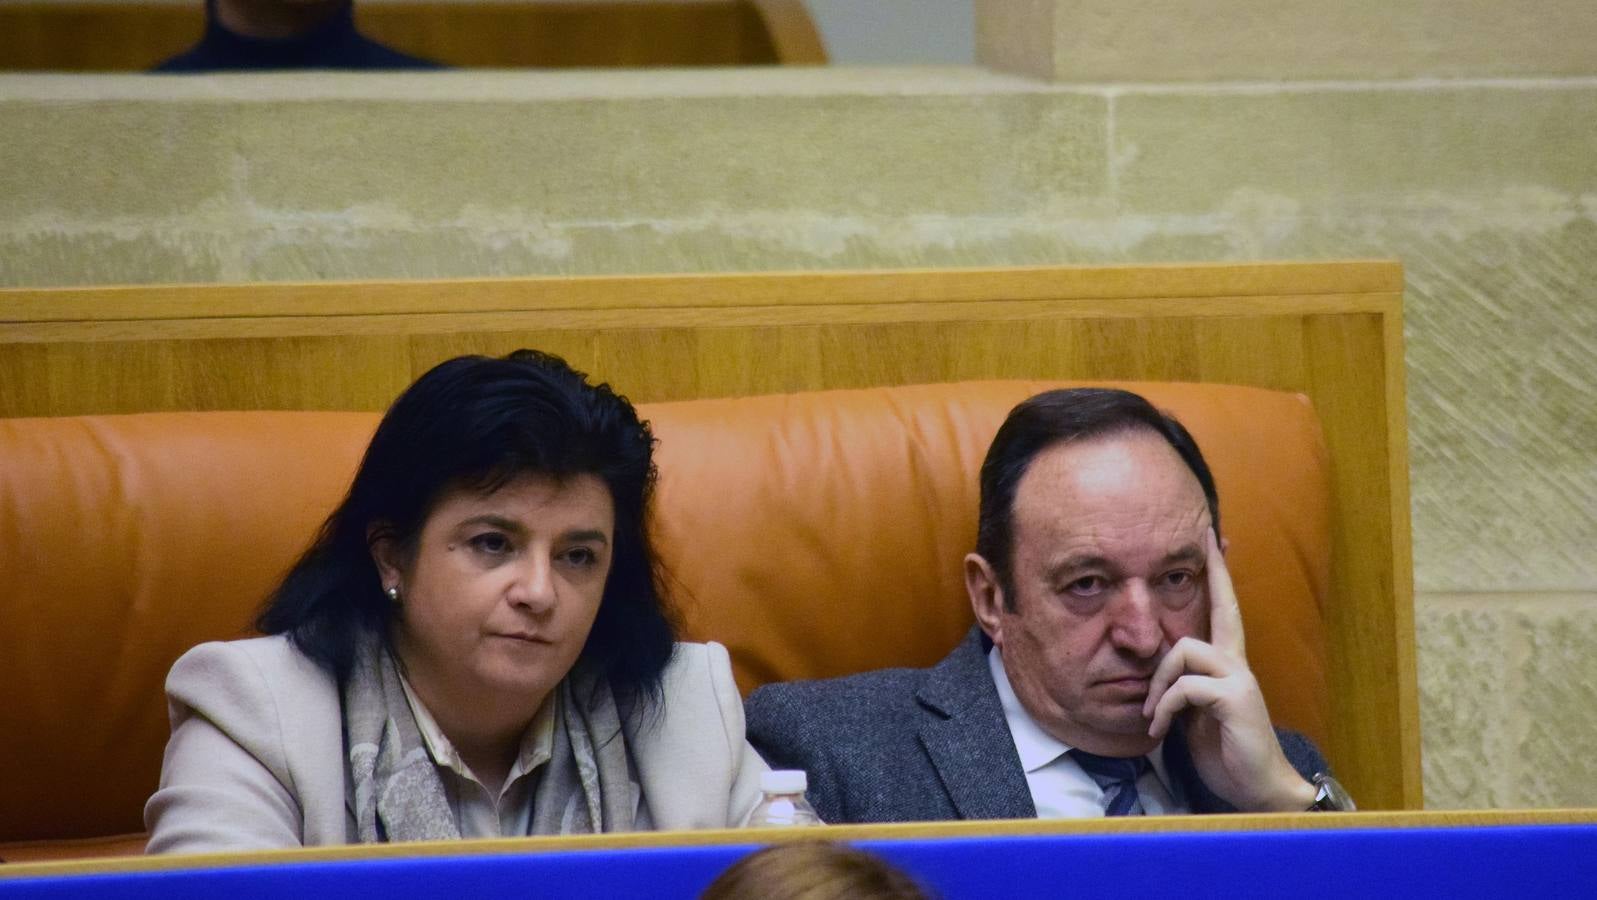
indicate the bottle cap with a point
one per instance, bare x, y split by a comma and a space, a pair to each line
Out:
783, 781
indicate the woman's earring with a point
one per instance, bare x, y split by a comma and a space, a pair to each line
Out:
393, 594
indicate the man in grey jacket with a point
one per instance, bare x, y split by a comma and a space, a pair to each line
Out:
1106, 673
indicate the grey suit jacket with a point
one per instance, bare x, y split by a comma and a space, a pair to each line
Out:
912, 745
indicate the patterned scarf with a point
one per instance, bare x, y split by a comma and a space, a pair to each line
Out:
396, 794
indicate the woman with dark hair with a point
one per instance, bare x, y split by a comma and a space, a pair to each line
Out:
476, 644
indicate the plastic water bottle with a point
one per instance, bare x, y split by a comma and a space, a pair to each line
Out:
783, 805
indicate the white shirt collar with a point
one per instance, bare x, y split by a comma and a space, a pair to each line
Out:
1036, 747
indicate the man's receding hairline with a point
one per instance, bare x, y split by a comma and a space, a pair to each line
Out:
1118, 429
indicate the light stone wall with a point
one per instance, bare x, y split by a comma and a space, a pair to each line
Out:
1486, 189
1179, 40
896, 32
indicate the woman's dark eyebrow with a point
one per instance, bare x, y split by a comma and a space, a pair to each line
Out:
586, 536
578, 536
493, 521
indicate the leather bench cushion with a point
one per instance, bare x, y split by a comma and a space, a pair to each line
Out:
821, 534
814, 534
124, 541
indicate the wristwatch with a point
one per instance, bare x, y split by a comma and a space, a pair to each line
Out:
1331, 796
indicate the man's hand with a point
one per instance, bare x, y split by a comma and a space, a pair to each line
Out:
1227, 727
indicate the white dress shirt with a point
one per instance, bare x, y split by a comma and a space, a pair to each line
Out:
480, 813
1060, 788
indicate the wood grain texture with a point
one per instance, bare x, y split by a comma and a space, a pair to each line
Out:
102, 37
791, 31
105, 37
1332, 331
1339, 287
905, 831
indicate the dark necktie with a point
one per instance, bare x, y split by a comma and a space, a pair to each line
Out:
1118, 779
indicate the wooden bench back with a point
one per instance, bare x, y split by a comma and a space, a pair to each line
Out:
135, 35
1330, 331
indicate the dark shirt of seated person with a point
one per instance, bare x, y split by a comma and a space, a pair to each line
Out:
265, 35
1105, 674
476, 644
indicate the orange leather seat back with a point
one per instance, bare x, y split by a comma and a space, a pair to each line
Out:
124, 541
823, 533
814, 534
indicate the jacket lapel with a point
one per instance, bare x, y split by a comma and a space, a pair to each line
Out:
967, 739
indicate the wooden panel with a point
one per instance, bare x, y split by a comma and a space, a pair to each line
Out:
262, 363
1330, 330
1372, 649
1106, 291
106, 36
95, 37
791, 31
564, 35
917, 831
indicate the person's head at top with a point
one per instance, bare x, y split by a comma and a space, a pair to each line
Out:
493, 539
275, 19
264, 35
813, 870
1093, 539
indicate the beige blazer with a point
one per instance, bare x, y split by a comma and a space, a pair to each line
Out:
256, 757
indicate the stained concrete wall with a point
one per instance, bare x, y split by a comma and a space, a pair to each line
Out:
1487, 189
